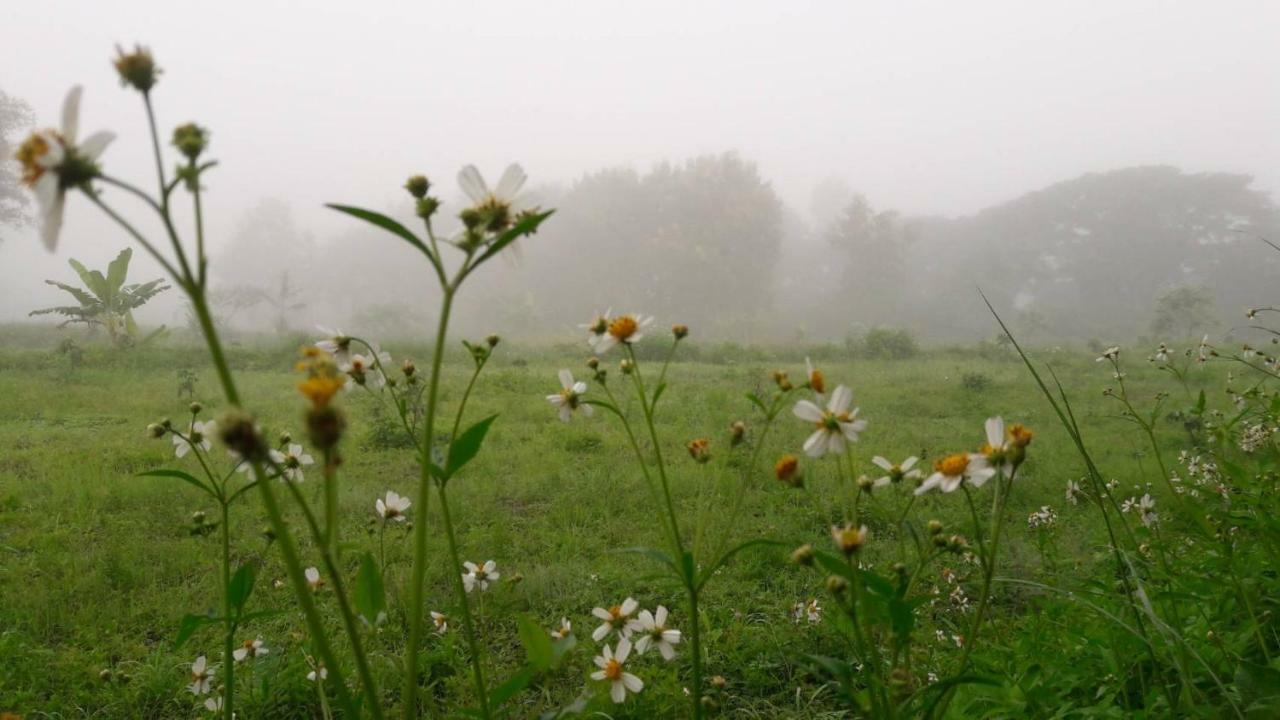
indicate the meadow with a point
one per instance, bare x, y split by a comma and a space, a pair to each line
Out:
101, 565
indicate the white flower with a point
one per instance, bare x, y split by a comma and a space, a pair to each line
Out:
810, 611
570, 397
611, 669
364, 369
292, 460
653, 627
1111, 354
625, 329
836, 425
1074, 493
393, 508
198, 435
336, 343
441, 622
201, 676
53, 163
1045, 517
616, 618
480, 575
996, 449
313, 578
250, 650
213, 704
598, 326
1147, 510
505, 195
953, 470
896, 473
321, 672
1205, 349
564, 631
1162, 354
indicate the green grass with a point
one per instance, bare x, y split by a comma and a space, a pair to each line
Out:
97, 564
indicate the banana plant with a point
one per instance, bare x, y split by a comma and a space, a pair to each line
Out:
105, 300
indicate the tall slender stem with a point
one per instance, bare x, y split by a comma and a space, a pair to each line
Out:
228, 649
420, 528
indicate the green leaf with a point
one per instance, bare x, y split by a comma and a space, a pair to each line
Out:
179, 475
510, 687
537, 643
657, 394
241, 586
371, 596
118, 270
92, 279
383, 222
755, 400
189, 624
465, 446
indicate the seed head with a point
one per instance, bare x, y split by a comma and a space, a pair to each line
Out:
803, 555
680, 331
190, 140
240, 433
418, 185
426, 207
196, 408
137, 69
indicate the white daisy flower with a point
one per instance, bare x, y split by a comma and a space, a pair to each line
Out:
321, 672
895, 473
479, 575
53, 163
953, 470
336, 343
504, 197
1111, 353
363, 369
1147, 510
996, 449
198, 435
1074, 492
249, 650
598, 326
611, 669
213, 704
393, 508
201, 676
625, 329
564, 631
441, 622
654, 632
616, 618
570, 397
314, 580
292, 460
836, 424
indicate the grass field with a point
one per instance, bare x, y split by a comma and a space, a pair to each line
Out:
98, 565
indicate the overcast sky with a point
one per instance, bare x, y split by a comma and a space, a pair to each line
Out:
940, 107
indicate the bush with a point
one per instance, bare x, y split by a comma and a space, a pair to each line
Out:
890, 344
975, 381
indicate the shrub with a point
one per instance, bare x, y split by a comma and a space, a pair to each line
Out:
890, 344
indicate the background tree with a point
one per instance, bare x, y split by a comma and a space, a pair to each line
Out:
105, 301
15, 115
1183, 312
869, 246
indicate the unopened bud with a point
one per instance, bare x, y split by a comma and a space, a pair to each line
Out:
836, 585
515, 579
105, 675
426, 207
197, 517
593, 362
699, 449
718, 682
196, 408
493, 340
626, 366
240, 433
803, 555
155, 430
787, 470
737, 433
935, 527
417, 186
865, 483
166, 423
324, 426
784, 383
137, 69
409, 368
286, 437
680, 331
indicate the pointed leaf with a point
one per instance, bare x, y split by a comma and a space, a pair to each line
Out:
118, 270
188, 625
179, 475
465, 446
510, 687
383, 222
371, 595
241, 586
537, 644
527, 226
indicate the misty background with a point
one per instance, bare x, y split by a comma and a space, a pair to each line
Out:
761, 171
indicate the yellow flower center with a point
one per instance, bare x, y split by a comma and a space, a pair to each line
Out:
816, 382
952, 465
786, 468
613, 669
623, 327
1021, 435
29, 154
248, 645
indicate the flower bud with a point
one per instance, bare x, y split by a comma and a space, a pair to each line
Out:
957, 544
196, 408
516, 579
426, 207
784, 383
680, 331
700, 450
935, 527
417, 186
137, 69
626, 366
105, 675
493, 340
865, 483
593, 362
849, 538
324, 426
836, 585
190, 140
197, 517
240, 433
718, 682
155, 430
737, 433
166, 423
470, 218
286, 437
408, 368
787, 470
803, 555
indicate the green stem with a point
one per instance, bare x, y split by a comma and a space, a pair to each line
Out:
228, 649
420, 528
330, 503
468, 625
695, 648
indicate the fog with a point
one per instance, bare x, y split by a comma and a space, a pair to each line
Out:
1075, 160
